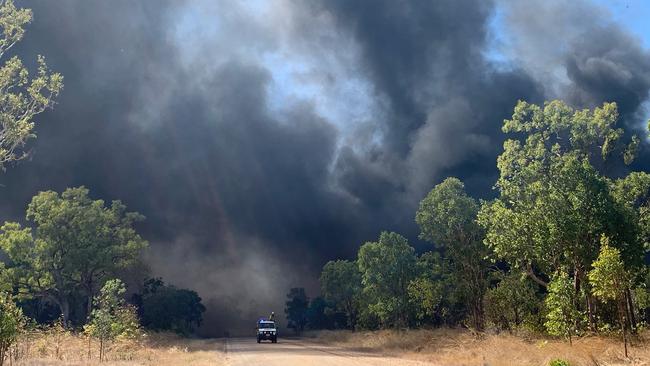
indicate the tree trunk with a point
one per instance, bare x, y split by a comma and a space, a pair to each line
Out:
101, 349
64, 306
590, 313
623, 321
630, 310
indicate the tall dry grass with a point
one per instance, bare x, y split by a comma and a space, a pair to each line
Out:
53, 347
451, 347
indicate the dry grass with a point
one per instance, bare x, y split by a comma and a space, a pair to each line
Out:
458, 347
56, 348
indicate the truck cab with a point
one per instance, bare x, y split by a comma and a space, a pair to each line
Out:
266, 330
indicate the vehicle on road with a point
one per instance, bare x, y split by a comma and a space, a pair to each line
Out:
266, 330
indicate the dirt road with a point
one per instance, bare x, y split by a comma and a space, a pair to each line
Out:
246, 351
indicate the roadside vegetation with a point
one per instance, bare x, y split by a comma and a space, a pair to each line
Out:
561, 251
456, 347
63, 271
558, 258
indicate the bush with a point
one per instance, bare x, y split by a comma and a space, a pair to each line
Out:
512, 302
12, 323
559, 362
562, 314
112, 318
164, 307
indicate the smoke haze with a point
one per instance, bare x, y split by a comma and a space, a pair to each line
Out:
261, 139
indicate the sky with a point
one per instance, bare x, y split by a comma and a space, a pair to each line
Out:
263, 138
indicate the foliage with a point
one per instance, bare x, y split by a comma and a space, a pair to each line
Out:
608, 276
512, 302
164, 307
112, 317
559, 362
11, 324
555, 201
609, 281
562, 315
76, 244
321, 316
447, 218
5, 282
341, 284
428, 291
21, 97
641, 295
387, 267
296, 309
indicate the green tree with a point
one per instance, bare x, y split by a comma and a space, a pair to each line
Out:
296, 309
430, 288
387, 267
512, 302
341, 284
75, 245
632, 193
319, 314
164, 307
554, 199
447, 218
11, 324
562, 315
21, 97
609, 281
112, 317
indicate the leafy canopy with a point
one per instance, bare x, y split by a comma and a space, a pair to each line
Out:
341, 284
447, 218
21, 97
296, 308
76, 243
164, 307
387, 267
555, 201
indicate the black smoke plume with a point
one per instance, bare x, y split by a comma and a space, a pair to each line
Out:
263, 139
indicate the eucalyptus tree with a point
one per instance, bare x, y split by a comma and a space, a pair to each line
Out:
555, 199
387, 268
447, 218
341, 284
73, 246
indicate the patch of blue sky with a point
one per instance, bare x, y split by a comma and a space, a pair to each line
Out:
342, 101
497, 41
633, 15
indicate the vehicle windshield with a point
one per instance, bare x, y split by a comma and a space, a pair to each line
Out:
267, 325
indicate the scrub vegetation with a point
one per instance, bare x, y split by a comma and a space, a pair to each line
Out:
61, 270
552, 269
559, 252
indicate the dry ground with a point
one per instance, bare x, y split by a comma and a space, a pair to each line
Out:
153, 349
459, 347
440, 347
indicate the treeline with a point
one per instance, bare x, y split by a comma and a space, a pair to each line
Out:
562, 249
69, 265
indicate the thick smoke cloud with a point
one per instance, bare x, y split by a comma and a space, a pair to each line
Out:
263, 139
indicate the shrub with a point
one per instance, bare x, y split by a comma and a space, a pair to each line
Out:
559, 362
12, 323
512, 302
164, 307
112, 318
